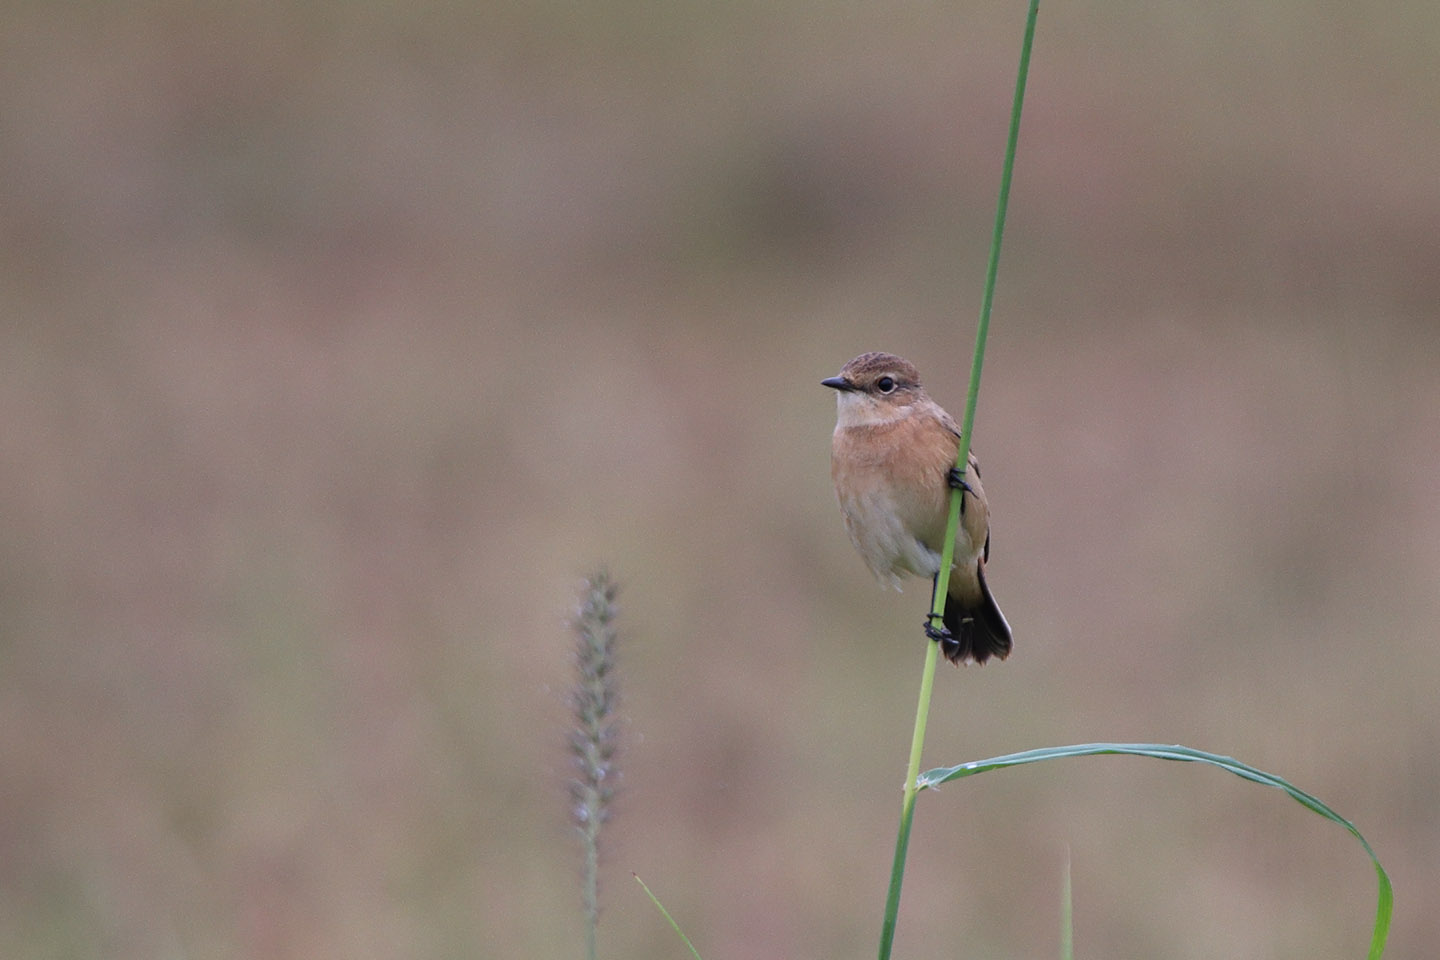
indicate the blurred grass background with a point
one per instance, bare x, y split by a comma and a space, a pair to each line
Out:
342, 339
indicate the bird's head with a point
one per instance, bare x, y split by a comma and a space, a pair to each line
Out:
875, 388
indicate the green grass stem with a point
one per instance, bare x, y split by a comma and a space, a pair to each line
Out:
1067, 913
927, 680
907, 806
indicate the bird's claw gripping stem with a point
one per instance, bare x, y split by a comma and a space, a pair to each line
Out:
940, 634
956, 479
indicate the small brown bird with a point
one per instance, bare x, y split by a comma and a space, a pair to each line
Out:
893, 463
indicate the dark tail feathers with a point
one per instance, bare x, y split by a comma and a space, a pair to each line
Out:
978, 632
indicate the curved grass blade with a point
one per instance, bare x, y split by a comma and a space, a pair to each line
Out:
1384, 901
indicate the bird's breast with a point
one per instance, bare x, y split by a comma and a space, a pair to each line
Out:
890, 481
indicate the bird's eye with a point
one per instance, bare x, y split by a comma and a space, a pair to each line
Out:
885, 384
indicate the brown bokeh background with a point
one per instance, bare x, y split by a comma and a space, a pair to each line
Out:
342, 339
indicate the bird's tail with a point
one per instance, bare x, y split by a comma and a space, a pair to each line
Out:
978, 629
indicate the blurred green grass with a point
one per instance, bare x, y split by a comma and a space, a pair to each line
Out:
343, 339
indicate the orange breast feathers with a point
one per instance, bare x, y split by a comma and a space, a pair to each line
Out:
890, 480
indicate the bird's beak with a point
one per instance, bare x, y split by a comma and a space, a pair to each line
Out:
837, 383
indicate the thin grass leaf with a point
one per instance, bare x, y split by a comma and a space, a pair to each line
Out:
1385, 900
666, 914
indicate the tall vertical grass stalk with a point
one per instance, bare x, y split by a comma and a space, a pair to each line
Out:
594, 739
947, 557
1067, 913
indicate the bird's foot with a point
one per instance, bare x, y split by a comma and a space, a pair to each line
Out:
940, 634
955, 477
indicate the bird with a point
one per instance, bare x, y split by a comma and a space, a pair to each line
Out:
892, 460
